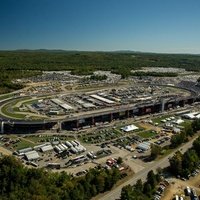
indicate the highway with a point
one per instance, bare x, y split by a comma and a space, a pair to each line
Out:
162, 163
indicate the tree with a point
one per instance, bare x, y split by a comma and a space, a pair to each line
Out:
196, 146
147, 189
151, 179
119, 161
139, 185
176, 163
126, 193
178, 139
100, 183
155, 151
196, 125
190, 160
188, 130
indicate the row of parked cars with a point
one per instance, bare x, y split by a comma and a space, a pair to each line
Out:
160, 190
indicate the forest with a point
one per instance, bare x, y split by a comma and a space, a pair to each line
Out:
21, 183
86, 62
26, 63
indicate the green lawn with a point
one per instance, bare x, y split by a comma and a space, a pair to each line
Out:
30, 102
5, 96
147, 134
22, 144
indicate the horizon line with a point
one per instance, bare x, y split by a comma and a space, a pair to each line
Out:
103, 51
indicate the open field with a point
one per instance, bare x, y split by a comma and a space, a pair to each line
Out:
147, 134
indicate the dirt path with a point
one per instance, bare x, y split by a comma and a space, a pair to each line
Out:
27, 140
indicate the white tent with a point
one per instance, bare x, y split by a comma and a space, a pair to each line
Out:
129, 128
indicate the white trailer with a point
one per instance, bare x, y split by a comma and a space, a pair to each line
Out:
57, 149
74, 144
61, 147
65, 146
73, 150
78, 143
68, 144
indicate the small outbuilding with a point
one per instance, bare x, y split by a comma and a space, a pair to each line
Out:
144, 146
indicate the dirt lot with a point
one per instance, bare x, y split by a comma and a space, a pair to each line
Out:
177, 187
148, 126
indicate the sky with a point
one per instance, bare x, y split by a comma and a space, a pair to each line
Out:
166, 26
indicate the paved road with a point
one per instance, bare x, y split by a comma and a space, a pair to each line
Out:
164, 162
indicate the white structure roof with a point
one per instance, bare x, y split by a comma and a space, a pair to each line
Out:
190, 115
178, 121
32, 155
40, 145
129, 128
25, 150
102, 99
62, 104
88, 105
46, 148
144, 146
66, 106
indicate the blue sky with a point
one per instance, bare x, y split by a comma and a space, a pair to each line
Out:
142, 25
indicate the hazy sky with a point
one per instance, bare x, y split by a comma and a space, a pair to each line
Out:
141, 25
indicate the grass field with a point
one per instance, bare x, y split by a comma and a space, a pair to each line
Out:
22, 144
5, 96
186, 122
147, 134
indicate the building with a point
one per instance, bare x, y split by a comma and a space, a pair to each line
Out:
32, 155
144, 146
46, 148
